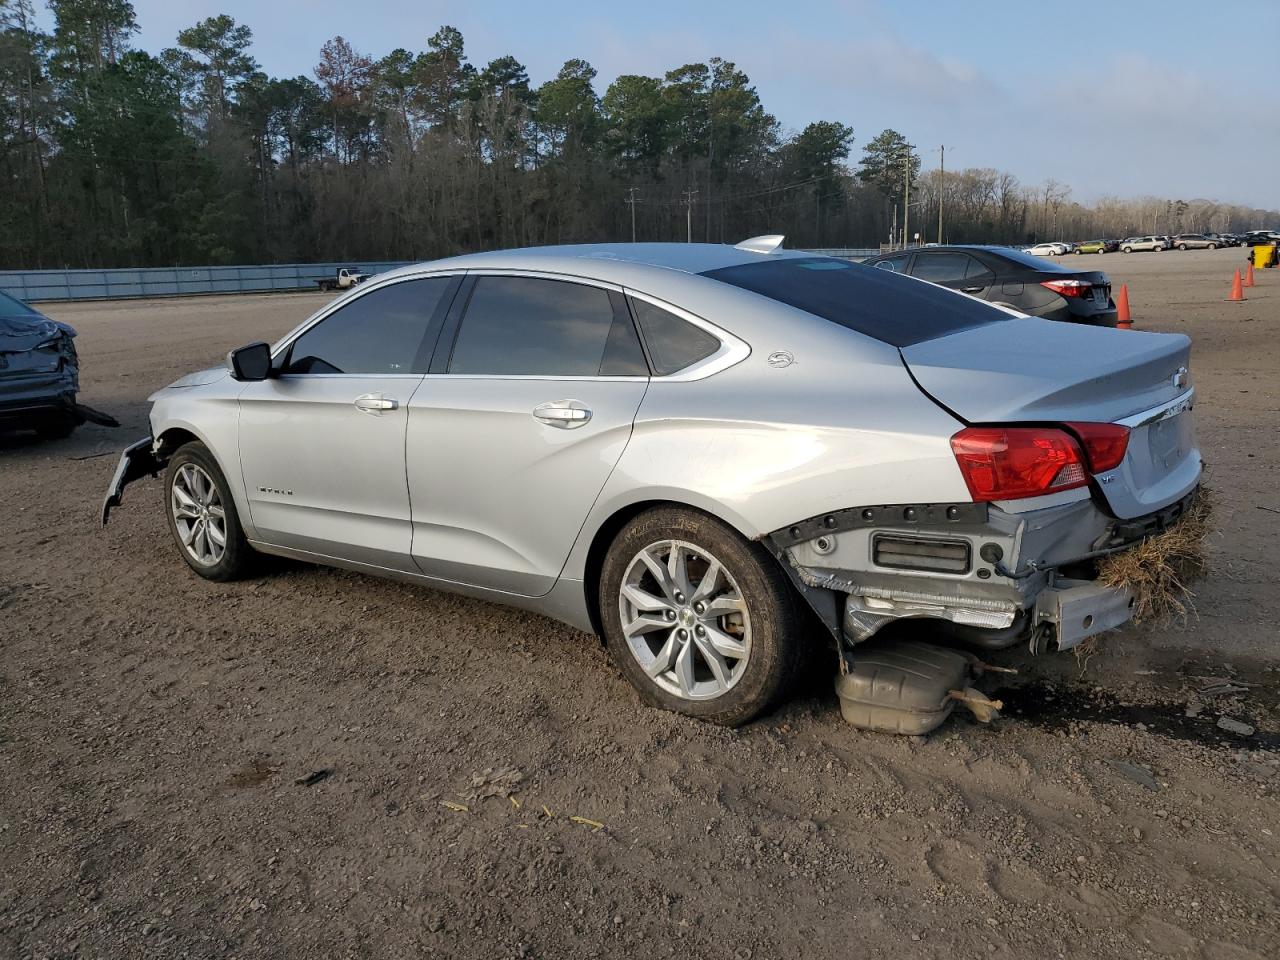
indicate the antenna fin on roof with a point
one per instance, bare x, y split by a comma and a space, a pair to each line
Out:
769, 243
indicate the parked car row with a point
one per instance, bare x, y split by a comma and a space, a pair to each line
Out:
1182, 241
1257, 238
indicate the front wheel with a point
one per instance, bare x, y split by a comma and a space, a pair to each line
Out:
202, 515
1126, 249
698, 619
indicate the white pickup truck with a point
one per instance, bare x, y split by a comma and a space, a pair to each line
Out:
344, 278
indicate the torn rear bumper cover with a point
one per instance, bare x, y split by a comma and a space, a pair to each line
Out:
993, 576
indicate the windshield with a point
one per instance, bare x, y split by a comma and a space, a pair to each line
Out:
9, 307
878, 303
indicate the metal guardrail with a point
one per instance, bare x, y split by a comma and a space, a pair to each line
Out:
37, 285
125, 283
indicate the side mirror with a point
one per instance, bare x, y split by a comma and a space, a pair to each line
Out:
250, 362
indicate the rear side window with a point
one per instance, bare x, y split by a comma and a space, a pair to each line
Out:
673, 343
940, 267
977, 270
379, 332
526, 326
877, 303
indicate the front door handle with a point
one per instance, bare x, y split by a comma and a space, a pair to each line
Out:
565, 414
376, 403
972, 289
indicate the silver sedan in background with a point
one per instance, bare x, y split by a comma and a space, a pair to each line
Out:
692, 450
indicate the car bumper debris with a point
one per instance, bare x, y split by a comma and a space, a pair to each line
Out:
138, 460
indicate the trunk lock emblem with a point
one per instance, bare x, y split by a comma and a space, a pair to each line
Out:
780, 359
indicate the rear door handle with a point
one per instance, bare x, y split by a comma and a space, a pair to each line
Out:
376, 403
565, 414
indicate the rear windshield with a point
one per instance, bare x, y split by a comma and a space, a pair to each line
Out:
9, 307
878, 303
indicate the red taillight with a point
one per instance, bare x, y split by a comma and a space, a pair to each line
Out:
1008, 463
1069, 288
1104, 443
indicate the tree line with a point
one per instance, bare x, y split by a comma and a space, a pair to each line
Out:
113, 156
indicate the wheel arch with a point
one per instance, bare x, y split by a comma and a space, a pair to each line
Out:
177, 431
613, 524
174, 437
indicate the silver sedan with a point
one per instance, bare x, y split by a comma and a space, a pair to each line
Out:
694, 451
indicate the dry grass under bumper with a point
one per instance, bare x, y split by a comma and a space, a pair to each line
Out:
1160, 570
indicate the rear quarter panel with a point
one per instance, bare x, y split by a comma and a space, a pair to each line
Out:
762, 446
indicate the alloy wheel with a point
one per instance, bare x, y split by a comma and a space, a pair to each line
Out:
684, 620
198, 514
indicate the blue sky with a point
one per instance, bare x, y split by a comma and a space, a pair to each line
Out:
1122, 98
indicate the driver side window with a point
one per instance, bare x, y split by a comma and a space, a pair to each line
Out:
379, 332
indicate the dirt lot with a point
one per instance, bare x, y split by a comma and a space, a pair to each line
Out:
260, 769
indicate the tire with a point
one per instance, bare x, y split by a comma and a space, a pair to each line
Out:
761, 618
194, 471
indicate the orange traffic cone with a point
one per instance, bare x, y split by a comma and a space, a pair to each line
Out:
1122, 308
1248, 276
1237, 291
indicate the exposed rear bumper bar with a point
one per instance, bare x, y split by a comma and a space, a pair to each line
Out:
138, 460
864, 567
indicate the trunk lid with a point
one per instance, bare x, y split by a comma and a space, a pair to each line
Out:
1042, 371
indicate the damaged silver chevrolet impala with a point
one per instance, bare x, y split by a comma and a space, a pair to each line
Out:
687, 448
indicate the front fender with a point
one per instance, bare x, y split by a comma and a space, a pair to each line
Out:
210, 413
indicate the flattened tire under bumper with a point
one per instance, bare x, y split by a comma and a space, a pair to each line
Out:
138, 460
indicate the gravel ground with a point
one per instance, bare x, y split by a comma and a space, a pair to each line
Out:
318, 763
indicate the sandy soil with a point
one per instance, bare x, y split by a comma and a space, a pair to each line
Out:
262, 769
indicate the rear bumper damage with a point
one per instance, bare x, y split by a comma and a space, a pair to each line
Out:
992, 575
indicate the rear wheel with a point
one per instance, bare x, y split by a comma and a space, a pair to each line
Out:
202, 515
699, 620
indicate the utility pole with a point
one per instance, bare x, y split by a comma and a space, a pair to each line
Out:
906, 193
942, 186
688, 214
631, 202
